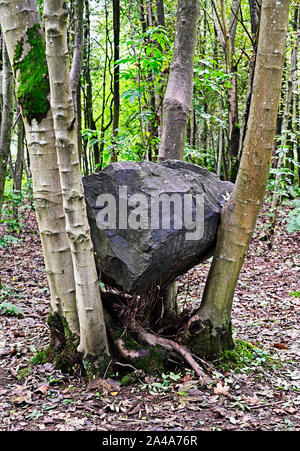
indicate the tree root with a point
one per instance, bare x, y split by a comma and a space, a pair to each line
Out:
155, 340
124, 318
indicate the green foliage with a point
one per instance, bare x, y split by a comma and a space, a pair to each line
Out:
158, 387
295, 294
285, 174
10, 309
6, 292
32, 75
150, 53
293, 218
23, 373
16, 204
8, 240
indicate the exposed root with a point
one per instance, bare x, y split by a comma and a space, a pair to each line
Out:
155, 340
127, 320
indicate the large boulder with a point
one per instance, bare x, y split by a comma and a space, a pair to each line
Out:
149, 252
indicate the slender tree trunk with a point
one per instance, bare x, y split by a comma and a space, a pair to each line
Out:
78, 47
178, 101
284, 134
20, 155
88, 110
229, 31
20, 22
6, 120
160, 12
209, 330
116, 115
178, 98
93, 340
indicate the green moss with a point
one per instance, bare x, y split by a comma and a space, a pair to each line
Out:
24, 372
32, 75
62, 351
41, 357
208, 343
63, 348
245, 356
126, 380
130, 343
98, 367
152, 362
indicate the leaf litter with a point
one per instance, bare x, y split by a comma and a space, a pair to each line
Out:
253, 397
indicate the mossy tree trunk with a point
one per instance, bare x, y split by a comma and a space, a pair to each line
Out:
93, 340
20, 23
209, 329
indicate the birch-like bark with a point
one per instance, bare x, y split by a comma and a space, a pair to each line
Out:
178, 98
240, 213
93, 340
20, 22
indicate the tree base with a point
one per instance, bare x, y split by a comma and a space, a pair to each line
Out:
206, 342
62, 351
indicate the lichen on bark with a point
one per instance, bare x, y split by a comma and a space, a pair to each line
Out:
31, 71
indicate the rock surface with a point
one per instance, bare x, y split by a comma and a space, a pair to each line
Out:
139, 260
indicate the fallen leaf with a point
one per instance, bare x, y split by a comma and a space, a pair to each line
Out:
221, 389
280, 346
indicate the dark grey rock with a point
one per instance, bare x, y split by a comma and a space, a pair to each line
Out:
137, 261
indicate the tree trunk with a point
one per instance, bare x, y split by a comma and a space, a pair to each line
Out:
20, 22
93, 340
6, 120
160, 12
178, 103
229, 31
284, 134
116, 115
208, 331
20, 155
178, 97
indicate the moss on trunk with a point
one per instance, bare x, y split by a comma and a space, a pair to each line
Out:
206, 342
62, 351
32, 75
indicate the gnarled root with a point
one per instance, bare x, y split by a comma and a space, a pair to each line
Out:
155, 340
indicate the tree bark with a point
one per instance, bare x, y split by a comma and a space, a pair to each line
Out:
284, 133
20, 155
178, 97
93, 340
6, 120
20, 22
209, 330
160, 12
178, 103
116, 114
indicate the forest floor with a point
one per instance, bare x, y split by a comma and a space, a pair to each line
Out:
262, 392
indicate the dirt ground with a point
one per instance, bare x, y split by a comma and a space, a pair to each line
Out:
261, 394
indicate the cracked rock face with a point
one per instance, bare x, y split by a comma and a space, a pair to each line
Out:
152, 222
